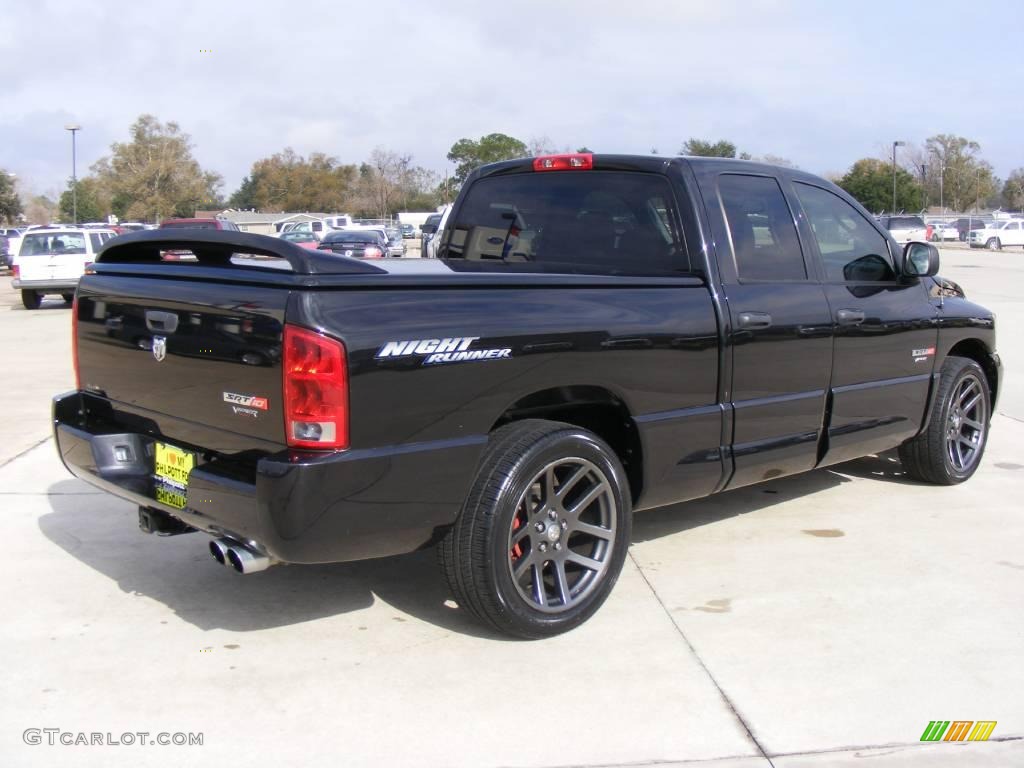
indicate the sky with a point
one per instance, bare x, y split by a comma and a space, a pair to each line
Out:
820, 83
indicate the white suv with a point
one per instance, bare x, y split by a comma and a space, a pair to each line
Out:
53, 260
997, 234
905, 228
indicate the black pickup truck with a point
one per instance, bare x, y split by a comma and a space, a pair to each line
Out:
601, 334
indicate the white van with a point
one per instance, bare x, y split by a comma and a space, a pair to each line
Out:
53, 260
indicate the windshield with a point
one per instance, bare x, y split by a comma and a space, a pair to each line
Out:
363, 238
63, 242
188, 225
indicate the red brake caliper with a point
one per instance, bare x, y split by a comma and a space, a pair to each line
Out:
517, 550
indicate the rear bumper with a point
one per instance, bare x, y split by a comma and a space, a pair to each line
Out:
299, 507
45, 285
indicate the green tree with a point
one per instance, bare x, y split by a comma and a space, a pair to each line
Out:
1013, 190
10, 203
967, 179
287, 181
701, 148
245, 196
154, 175
468, 154
870, 182
93, 201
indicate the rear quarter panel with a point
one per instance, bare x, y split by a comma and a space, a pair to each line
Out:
653, 348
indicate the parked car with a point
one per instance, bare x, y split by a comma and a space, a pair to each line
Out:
355, 243
53, 261
396, 243
965, 224
5, 255
600, 334
218, 224
303, 238
13, 236
942, 231
222, 225
338, 221
427, 230
316, 227
430, 250
998, 234
905, 228
378, 231
408, 231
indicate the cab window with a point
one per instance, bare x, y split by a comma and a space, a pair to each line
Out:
852, 250
574, 222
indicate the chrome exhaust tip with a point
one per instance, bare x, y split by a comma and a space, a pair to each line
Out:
219, 550
245, 560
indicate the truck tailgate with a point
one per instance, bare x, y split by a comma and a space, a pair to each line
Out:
206, 355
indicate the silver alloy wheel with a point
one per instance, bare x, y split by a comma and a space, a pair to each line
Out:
993, 244
562, 535
966, 424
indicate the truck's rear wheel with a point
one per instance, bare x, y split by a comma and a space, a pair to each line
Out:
68, 297
31, 299
950, 449
543, 534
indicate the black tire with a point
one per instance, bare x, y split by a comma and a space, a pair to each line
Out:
950, 449
68, 297
497, 529
31, 299
993, 244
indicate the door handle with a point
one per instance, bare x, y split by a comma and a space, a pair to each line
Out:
754, 320
850, 317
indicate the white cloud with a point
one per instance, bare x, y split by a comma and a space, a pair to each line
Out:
806, 80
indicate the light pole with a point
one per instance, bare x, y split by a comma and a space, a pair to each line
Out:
942, 175
74, 128
894, 145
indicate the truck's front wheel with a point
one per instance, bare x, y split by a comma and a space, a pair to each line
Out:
949, 450
543, 534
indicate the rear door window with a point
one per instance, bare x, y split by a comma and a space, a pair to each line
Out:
576, 222
761, 229
96, 240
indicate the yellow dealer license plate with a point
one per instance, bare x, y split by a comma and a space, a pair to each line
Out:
171, 467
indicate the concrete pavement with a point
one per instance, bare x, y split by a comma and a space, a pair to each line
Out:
819, 620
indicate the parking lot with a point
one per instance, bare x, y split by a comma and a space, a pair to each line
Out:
815, 620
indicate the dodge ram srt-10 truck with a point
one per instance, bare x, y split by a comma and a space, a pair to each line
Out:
600, 334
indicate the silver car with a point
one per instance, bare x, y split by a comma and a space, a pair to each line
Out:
396, 243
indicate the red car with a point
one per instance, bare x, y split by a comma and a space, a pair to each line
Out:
303, 239
221, 224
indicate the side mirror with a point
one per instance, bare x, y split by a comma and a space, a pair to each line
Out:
428, 229
920, 259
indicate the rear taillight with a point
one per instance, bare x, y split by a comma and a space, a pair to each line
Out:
372, 253
315, 390
74, 340
16, 271
578, 161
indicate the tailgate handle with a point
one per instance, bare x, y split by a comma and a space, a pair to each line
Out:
162, 322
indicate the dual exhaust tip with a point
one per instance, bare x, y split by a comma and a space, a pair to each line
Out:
242, 558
